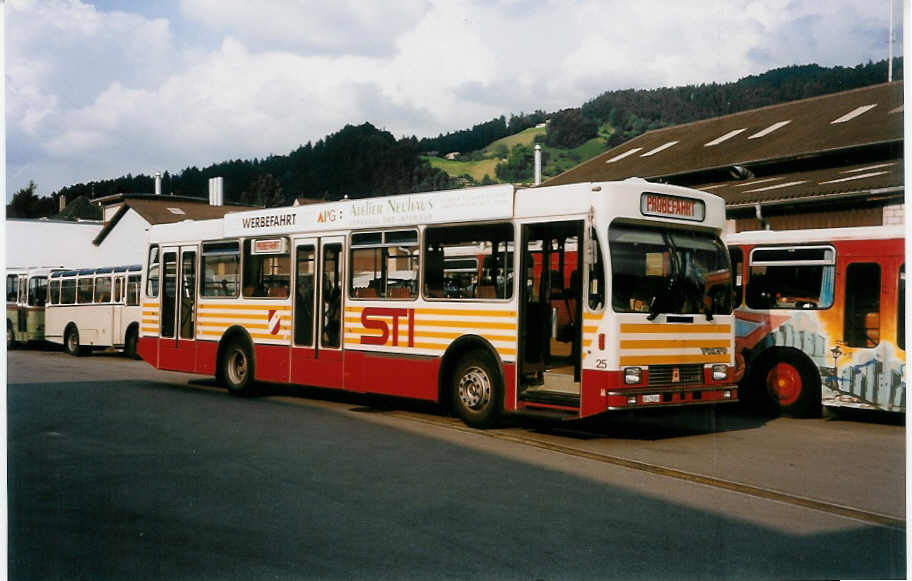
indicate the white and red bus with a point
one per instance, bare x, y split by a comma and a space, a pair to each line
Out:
821, 317
444, 296
94, 308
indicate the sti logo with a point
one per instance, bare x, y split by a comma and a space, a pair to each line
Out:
376, 318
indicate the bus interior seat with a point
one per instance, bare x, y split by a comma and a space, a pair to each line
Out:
872, 329
280, 292
399, 292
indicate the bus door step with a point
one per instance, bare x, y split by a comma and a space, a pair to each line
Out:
561, 398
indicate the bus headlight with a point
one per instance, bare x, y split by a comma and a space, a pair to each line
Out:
633, 375
720, 372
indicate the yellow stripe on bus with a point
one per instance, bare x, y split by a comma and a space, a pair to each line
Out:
672, 328
670, 343
671, 359
235, 316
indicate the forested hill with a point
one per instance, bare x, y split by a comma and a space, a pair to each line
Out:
365, 161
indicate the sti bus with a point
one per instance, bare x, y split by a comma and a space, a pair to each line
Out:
94, 308
443, 296
26, 293
820, 319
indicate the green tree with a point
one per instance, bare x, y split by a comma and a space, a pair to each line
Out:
570, 128
264, 190
27, 204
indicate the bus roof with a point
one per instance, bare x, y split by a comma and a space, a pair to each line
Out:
816, 235
99, 270
498, 202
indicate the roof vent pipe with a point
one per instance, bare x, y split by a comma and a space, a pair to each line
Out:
760, 217
537, 164
216, 192
158, 183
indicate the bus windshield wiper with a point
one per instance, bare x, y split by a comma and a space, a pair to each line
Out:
671, 298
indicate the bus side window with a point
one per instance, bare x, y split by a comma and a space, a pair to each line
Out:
118, 289
12, 288
220, 269
133, 282
152, 278
266, 275
54, 292
37, 296
901, 310
862, 305
103, 289
737, 262
84, 289
68, 291
596, 273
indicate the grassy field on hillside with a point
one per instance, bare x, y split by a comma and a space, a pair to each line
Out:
526, 137
475, 169
559, 160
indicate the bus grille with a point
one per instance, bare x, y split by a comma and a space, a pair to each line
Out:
665, 374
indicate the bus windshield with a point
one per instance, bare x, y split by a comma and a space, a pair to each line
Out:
657, 270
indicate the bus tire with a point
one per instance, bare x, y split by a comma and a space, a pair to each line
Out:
130, 343
10, 336
71, 341
477, 395
792, 382
236, 368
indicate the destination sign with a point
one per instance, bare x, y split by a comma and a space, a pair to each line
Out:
665, 206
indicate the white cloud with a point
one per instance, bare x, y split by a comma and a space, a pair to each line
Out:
94, 94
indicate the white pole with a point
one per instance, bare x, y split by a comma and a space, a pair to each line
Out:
890, 50
537, 164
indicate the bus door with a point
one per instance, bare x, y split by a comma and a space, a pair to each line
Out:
22, 305
550, 326
177, 350
117, 331
317, 343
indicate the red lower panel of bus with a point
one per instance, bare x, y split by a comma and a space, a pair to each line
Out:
320, 369
604, 391
414, 377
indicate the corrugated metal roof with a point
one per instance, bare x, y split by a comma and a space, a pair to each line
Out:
841, 122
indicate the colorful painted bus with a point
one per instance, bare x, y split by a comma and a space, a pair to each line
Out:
821, 320
94, 308
26, 294
445, 296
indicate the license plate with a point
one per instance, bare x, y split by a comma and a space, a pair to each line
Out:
652, 398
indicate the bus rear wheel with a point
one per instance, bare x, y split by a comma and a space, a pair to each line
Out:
236, 368
130, 344
476, 390
790, 382
71, 341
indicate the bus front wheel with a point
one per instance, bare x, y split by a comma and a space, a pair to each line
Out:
790, 382
476, 390
71, 341
236, 368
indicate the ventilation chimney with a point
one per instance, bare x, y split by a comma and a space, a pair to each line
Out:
62, 202
537, 164
158, 183
215, 191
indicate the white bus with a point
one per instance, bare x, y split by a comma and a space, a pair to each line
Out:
479, 298
94, 308
26, 294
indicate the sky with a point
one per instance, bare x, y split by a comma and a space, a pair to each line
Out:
96, 90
